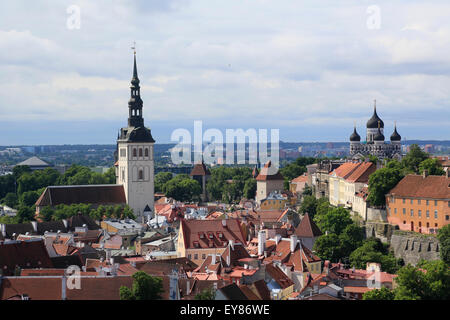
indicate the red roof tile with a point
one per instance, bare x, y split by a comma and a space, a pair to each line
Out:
415, 186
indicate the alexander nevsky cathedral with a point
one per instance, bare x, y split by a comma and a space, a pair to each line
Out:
375, 144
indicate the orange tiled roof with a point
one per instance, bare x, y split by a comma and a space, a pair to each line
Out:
416, 186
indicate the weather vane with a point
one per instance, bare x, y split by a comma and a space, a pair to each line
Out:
134, 47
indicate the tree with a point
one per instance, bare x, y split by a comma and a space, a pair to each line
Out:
444, 241
309, 205
19, 170
160, 179
10, 200
381, 182
307, 191
350, 239
433, 167
373, 250
334, 221
110, 176
328, 247
145, 287
379, 294
413, 159
24, 214
183, 188
29, 198
206, 294
46, 213
250, 189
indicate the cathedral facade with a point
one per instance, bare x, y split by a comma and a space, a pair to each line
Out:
135, 156
375, 143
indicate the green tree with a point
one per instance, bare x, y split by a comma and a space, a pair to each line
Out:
250, 189
11, 200
19, 170
350, 239
328, 247
413, 158
145, 287
183, 188
309, 205
433, 167
29, 198
47, 213
110, 176
444, 241
24, 214
379, 294
206, 294
160, 179
334, 221
373, 250
381, 182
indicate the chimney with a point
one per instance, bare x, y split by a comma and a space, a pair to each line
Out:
261, 242
63, 287
277, 238
425, 174
293, 242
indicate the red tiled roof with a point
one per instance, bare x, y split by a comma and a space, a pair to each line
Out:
196, 233
355, 171
416, 186
94, 194
302, 178
264, 174
25, 254
279, 276
200, 169
307, 228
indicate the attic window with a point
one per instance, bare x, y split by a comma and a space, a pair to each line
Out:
201, 235
196, 244
220, 235
211, 235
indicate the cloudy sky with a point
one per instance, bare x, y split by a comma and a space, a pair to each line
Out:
308, 68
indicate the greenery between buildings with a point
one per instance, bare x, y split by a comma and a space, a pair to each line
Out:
145, 287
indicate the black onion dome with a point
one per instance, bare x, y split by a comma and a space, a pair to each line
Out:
355, 136
378, 136
395, 136
373, 122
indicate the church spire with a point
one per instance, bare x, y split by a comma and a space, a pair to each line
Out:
135, 104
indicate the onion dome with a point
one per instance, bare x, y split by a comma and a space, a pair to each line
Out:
378, 136
395, 136
373, 122
355, 136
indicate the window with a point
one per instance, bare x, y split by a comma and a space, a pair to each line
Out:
203, 256
428, 213
404, 211
395, 210
196, 256
146, 152
435, 202
447, 217
404, 200
134, 152
189, 256
412, 201
123, 152
412, 213
435, 225
140, 152
418, 201
428, 202
420, 213
435, 214
141, 174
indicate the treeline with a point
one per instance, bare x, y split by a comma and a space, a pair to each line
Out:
21, 189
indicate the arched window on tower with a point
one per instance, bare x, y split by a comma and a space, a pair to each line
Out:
140, 152
134, 152
141, 174
146, 152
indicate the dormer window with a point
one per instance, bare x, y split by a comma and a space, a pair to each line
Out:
196, 244
201, 235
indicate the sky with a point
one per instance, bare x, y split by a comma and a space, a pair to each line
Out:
311, 69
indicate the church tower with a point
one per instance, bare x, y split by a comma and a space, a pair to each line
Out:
134, 158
